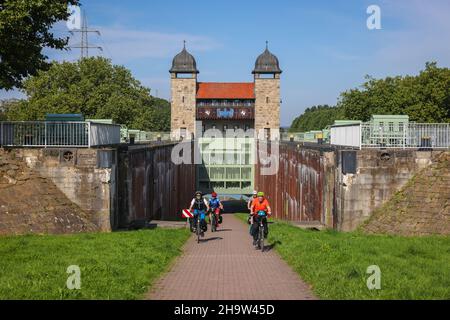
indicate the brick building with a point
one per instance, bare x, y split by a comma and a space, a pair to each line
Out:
225, 105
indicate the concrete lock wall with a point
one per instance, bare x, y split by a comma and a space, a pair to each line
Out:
379, 174
128, 185
318, 184
76, 173
118, 187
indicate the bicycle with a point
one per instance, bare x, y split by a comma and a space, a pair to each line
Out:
213, 220
199, 231
260, 239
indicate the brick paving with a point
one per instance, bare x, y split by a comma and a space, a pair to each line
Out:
225, 266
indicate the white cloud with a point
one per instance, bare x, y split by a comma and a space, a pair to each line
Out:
128, 46
138, 44
125, 45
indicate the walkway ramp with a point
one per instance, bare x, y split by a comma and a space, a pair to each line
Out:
225, 266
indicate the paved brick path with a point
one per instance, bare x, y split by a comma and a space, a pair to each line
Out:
225, 266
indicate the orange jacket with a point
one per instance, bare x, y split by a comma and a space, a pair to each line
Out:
260, 206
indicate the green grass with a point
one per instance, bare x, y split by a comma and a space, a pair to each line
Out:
119, 265
335, 263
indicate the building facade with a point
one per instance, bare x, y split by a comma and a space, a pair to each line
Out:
238, 112
199, 106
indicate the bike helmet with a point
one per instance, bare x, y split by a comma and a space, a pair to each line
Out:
260, 194
214, 194
198, 193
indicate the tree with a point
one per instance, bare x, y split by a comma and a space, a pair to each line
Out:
424, 98
95, 88
25, 29
315, 118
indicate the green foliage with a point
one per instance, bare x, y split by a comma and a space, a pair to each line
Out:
118, 265
24, 31
315, 118
95, 88
335, 263
424, 98
6, 105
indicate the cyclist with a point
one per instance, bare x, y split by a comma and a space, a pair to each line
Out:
249, 206
250, 201
260, 204
200, 207
215, 206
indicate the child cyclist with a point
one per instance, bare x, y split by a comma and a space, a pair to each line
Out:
215, 206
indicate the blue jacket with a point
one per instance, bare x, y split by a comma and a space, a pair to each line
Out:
214, 203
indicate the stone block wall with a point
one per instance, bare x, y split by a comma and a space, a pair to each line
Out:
267, 105
32, 203
183, 104
75, 173
380, 173
422, 207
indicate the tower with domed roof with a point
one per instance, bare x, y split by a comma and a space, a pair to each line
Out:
267, 95
225, 106
224, 109
183, 94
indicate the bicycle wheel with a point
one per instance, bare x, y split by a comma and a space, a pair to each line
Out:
198, 230
261, 237
213, 222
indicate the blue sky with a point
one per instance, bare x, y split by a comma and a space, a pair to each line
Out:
324, 47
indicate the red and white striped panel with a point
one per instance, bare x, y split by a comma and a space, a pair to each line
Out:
186, 213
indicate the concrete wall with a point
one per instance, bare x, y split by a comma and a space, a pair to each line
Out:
31, 203
422, 207
310, 184
378, 176
142, 183
75, 173
114, 188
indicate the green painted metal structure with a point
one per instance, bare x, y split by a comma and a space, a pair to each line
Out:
227, 165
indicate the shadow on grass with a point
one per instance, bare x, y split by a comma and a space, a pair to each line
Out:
272, 245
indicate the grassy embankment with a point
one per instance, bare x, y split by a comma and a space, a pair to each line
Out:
118, 265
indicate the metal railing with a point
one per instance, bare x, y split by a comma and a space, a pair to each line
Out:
408, 136
140, 136
412, 135
58, 134
299, 137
